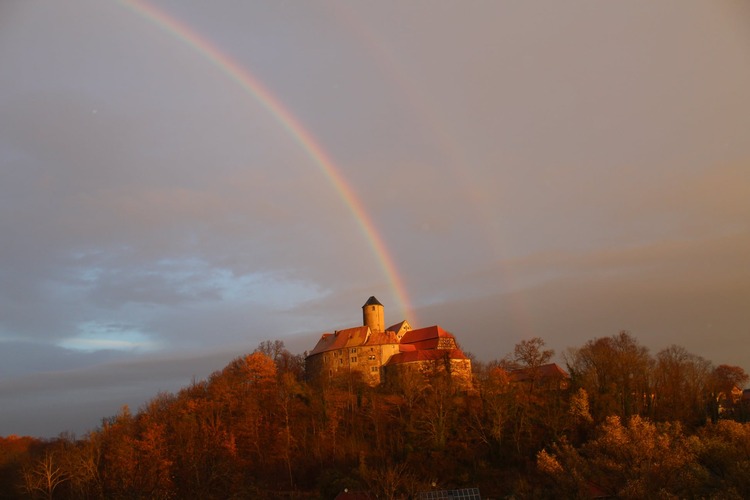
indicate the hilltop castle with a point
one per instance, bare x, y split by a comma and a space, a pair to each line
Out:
380, 353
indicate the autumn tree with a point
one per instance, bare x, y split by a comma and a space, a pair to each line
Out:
253, 382
724, 452
636, 460
119, 458
204, 450
255, 429
290, 394
681, 380
616, 373
535, 412
728, 377
285, 361
531, 353
489, 417
437, 413
726, 382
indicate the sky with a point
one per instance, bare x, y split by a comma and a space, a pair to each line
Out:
181, 180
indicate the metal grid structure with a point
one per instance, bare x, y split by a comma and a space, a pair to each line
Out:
462, 494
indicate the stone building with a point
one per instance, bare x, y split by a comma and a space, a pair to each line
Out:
378, 352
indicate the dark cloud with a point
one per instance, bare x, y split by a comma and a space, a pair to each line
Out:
75, 400
662, 301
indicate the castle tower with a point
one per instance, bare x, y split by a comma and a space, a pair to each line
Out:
373, 315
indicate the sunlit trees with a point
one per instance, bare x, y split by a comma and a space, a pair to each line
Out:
642, 459
530, 354
437, 412
251, 383
636, 460
725, 390
728, 377
488, 418
629, 425
153, 459
724, 452
135, 457
285, 361
289, 392
202, 446
616, 373
680, 385
537, 398
119, 456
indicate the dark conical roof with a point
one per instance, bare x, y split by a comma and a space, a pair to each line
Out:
372, 301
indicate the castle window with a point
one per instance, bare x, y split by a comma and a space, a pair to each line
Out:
354, 359
354, 350
374, 369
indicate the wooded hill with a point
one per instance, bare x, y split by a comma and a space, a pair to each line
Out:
626, 424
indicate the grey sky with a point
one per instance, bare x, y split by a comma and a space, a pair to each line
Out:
554, 169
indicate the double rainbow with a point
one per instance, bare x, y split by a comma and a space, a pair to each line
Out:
290, 123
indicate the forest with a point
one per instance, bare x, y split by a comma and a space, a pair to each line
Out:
625, 424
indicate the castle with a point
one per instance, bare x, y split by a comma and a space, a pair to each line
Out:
381, 353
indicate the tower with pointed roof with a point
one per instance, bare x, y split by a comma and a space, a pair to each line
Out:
373, 315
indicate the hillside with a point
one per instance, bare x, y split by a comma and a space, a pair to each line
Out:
625, 423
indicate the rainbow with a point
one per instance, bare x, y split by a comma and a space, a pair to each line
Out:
293, 127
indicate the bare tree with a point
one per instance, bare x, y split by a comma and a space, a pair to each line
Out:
530, 353
44, 476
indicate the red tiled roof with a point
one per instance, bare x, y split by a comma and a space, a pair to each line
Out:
343, 338
352, 337
426, 338
551, 370
386, 337
411, 356
422, 334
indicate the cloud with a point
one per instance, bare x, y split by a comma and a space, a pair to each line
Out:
65, 390
95, 336
46, 403
689, 293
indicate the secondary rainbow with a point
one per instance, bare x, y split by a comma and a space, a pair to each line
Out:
291, 124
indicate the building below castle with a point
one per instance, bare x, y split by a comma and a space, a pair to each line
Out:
381, 353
